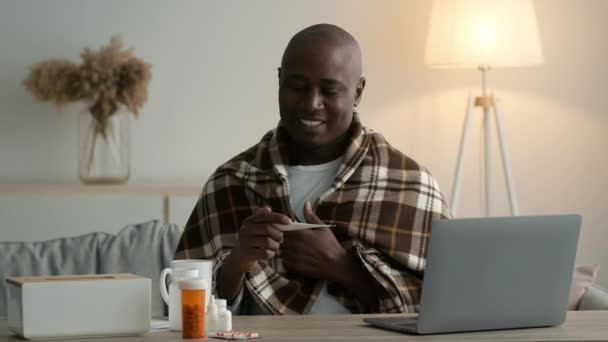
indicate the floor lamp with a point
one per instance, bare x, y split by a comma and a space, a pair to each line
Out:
483, 34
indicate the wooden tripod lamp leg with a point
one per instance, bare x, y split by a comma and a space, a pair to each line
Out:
505, 160
487, 149
463, 143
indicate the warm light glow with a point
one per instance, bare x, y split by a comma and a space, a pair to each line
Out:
469, 33
484, 35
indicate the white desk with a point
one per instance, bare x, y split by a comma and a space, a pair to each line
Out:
579, 326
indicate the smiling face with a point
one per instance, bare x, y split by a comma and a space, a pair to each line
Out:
319, 85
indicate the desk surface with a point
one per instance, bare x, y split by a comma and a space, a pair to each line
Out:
579, 326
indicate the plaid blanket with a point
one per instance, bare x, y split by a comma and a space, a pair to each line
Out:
381, 201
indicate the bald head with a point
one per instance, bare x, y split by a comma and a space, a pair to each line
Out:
326, 36
320, 83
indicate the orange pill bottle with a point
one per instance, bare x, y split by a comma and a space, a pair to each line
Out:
193, 307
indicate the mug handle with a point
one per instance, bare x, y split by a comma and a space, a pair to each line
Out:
163, 284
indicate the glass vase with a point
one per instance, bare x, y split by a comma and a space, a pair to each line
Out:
104, 151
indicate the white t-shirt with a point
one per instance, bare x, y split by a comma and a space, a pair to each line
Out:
307, 183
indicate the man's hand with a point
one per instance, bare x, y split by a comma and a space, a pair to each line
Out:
314, 253
258, 239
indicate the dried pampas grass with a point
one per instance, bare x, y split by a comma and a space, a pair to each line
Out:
106, 80
50, 81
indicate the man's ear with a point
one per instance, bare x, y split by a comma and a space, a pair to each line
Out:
279, 73
359, 90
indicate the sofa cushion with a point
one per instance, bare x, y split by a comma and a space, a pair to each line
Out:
583, 277
143, 249
595, 298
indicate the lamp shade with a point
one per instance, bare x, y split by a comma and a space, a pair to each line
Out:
470, 33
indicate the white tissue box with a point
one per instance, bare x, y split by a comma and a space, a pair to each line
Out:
74, 306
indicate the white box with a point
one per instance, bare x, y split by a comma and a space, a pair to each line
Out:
75, 306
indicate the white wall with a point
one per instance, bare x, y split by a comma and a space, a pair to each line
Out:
214, 90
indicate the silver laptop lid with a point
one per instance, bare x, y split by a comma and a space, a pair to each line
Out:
498, 273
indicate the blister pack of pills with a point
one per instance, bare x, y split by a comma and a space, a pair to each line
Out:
236, 335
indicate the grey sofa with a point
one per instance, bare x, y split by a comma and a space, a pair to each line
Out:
143, 249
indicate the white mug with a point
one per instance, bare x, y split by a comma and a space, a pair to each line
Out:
181, 269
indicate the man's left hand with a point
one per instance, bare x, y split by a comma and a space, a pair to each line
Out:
314, 253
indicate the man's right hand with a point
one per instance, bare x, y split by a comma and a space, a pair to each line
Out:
258, 239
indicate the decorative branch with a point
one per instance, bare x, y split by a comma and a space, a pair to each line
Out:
106, 79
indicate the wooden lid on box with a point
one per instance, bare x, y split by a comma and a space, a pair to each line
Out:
18, 281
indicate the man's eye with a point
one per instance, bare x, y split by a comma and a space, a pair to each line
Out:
331, 91
297, 87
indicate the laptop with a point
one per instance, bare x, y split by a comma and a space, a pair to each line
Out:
494, 273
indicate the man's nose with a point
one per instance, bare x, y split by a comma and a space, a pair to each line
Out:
314, 100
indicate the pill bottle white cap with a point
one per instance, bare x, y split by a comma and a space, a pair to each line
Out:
193, 284
186, 272
212, 307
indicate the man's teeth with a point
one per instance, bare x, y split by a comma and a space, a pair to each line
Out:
310, 123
